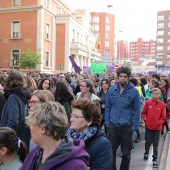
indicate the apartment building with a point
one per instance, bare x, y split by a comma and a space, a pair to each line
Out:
103, 25
141, 48
163, 38
50, 28
122, 51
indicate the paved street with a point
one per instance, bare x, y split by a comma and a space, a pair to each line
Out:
137, 162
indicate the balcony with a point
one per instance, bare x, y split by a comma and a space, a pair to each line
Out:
78, 46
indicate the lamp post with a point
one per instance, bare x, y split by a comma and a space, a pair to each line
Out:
119, 46
108, 44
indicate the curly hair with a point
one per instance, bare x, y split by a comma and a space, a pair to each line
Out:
14, 79
90, 111
62, 91
125, 70
51, 116
40, 84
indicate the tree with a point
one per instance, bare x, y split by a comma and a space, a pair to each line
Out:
29, 59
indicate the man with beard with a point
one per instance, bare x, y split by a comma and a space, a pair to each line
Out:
122, 112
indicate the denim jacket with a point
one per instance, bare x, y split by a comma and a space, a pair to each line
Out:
122, 109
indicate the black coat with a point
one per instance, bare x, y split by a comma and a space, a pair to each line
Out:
100, 150
2, 102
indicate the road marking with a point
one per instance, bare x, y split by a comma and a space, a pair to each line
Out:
149, 163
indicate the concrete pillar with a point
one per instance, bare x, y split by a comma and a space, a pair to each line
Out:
77, 59
82, 63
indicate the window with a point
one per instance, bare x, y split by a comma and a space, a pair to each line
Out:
95, 19
106, 43
16, 2
160, 40
47, 4
47, 59
15, 57
107, 35
160, 33
106, 51
47, 31
159, 48
107, 28
97, 35
77, 38
160, 25
160, 18
95, 27
16, 29
107, 20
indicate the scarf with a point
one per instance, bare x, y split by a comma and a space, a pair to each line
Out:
91, 131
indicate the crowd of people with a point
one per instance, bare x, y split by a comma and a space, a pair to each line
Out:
78, 121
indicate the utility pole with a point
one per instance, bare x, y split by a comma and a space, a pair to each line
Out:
108, 42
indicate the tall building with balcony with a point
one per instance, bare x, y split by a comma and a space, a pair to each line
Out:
103, 25
122, 51
141, 48
163, 38
51, 28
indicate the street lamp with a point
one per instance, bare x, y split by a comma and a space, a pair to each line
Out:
119, 46
108, 44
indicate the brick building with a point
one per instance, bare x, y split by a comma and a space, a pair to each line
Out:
122, 51
163, 38
103, 25
141, 48
49, 28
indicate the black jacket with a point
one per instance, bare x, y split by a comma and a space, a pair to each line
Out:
100, 150
15, 108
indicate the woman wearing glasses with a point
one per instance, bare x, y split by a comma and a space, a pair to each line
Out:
85, 125
38, 97
88, 91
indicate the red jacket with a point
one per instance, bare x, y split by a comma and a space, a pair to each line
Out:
154, 114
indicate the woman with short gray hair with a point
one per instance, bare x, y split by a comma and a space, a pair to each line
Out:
48, 123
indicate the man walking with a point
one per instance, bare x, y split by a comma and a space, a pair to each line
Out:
122, 112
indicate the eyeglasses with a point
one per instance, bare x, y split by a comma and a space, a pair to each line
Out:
156, 93
75, 116
33, 102
82, 86
61, 77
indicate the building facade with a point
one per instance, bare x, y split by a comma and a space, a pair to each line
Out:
163, 38
48, 27
122, 51
103, 25
141, 48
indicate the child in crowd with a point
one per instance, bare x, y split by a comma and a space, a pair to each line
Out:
154, 115
12, 150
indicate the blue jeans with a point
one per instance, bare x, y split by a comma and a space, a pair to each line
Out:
121, 135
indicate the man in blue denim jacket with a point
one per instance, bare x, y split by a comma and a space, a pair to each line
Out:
122, 113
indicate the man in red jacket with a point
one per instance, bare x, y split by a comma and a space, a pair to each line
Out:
154, 115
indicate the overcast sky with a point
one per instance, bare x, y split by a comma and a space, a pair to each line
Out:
135, 18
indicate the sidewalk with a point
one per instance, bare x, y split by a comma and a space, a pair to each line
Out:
165, 157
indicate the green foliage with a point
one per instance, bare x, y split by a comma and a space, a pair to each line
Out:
29, 59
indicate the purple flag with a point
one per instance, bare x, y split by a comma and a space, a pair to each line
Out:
74, 64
